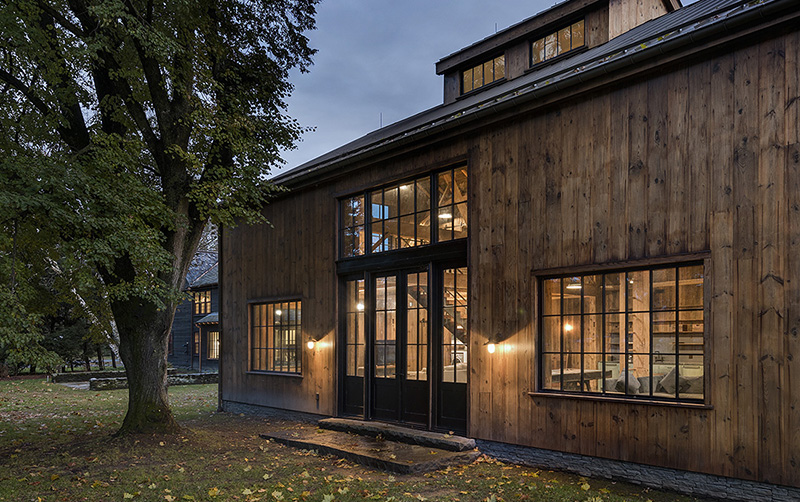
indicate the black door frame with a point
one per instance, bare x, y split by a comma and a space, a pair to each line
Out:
434, 264
438, 421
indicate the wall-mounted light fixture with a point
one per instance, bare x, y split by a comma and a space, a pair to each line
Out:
490, 347
310, 344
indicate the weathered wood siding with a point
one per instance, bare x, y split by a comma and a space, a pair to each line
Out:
625, 15
703, 157
699, 157
181, 335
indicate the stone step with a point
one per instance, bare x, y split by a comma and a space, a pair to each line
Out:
375, 452
392, 432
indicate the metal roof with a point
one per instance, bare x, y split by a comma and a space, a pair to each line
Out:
688, 25
212, 318
201, 263
208, 278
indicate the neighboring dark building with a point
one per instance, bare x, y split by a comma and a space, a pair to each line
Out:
195, 330
590, 250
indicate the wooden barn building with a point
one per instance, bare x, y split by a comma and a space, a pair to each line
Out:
590, 250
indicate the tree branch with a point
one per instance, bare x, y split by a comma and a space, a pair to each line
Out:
108, 87
76, 135
154, 79
26, 91
63, 21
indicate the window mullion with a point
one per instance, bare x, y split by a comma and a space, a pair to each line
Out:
652, 324
677, 331
603, 340
561, 341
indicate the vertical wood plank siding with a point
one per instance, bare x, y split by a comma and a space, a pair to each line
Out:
704, 156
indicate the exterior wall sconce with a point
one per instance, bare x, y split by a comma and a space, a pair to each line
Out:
491, 348
311, 344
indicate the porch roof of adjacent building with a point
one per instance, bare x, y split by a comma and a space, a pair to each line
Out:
212, 318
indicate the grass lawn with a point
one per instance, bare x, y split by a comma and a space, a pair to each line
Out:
56, 445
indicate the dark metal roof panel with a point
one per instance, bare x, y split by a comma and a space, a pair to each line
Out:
212, 318
201, 263
209, 278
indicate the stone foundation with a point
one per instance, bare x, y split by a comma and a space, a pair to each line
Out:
266, 411
182, 379
690, 483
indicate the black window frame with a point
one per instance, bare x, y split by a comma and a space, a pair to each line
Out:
558, 56
603, 393
433, 209
484, 83
295, 347
212, 349
201, 302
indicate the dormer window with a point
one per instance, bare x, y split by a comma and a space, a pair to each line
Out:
557, 43
483, 74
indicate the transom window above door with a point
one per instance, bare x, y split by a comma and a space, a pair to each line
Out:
418, 212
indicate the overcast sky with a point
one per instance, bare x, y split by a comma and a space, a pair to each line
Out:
377, 59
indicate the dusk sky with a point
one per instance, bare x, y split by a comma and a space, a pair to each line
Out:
377, 57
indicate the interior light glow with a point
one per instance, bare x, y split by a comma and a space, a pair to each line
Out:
360, 306
491, 348
573, 286
278, 312
445, 216
310, 345
568, 327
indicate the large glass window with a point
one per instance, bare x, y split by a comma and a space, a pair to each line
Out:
275, 336
454, 325
213, 344
353, 234
633, 332
417, 326
385, 327
483, 74
202, 302
429, 209
557, 43
354, 312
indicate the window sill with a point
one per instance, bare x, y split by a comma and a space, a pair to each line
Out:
275, 373
619, 400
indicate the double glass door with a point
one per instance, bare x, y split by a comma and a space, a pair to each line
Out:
405, 347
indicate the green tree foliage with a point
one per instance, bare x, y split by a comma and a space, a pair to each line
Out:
127, 125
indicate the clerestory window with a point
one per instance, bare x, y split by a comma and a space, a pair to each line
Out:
483, 74
557, 43
426, 210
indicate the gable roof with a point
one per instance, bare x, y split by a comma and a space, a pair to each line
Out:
208, 278
704, 20
201, 263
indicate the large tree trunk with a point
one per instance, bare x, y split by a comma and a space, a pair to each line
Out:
144, 330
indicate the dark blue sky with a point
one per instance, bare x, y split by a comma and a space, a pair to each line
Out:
376, 58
